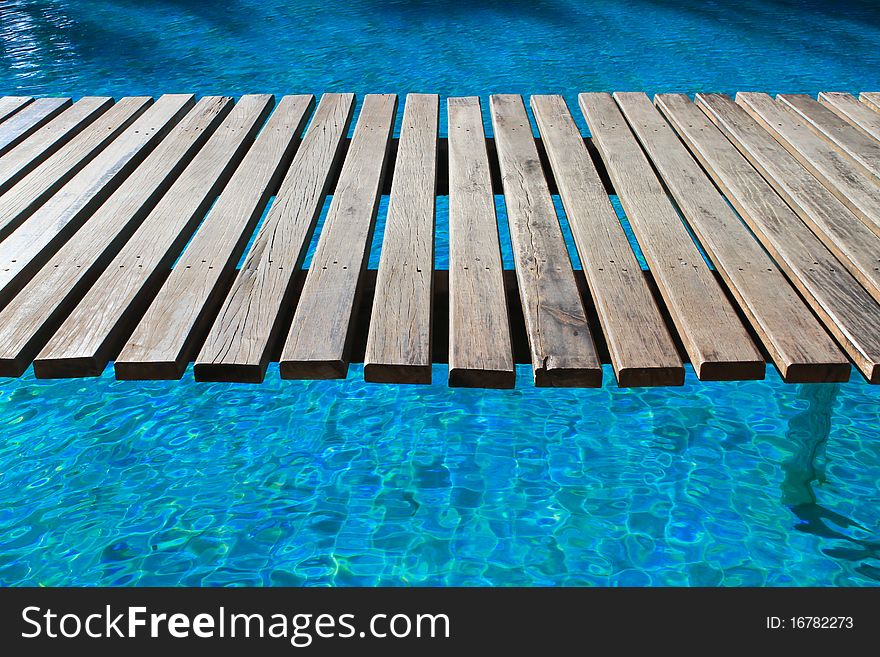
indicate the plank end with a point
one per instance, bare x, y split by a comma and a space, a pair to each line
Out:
69, 367
313, 369
569, 377
13, 367
229, 372
736, 370
461, 377
133, 370
388, 373
819, 373
646, 377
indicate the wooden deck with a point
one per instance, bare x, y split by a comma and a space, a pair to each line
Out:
122, 225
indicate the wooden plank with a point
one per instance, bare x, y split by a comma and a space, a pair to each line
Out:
480, 352
871, 99
641, 348
717, 343
844, 234
39, 308
855, 190
34, 189
861, 149
46, 141
9, 105
560, 342
399, 339
29, 246
845, 308
90, 335
165, 339
23, 124
848, 107
239, 342
318, 343
794, 339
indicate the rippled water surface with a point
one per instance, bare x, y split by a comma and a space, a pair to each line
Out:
105, 482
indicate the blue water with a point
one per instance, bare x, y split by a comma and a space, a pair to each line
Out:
106, 482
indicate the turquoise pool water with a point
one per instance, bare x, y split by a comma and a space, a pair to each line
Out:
106, 482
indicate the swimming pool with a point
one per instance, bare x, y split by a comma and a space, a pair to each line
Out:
106, 482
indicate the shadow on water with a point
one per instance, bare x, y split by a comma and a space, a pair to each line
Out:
808, 431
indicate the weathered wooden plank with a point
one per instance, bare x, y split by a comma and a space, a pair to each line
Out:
239, 343
794, 339
318, 343
28, 247
34, 189
46, 141
856, 190
861, 149
641, 348
480, 352
165, 339
399, 338
848, 107
23, 124
845, 308
871, 99
713, 335
9, 105
89, 336
844, 234
39, 308
561, 345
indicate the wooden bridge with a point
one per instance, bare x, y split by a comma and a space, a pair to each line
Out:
122, 225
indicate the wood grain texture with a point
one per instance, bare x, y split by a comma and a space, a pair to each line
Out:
562, 349
717, 343
792, 336
9, 105
844, 234
861, 149
165, 339
318, 343
239, 343
871, 99
854, 189
845, 308
642, 351
848, 107
399, 339
28, 322
23, 124
90, 335
34, 189
480, 352
28, 247
46, 141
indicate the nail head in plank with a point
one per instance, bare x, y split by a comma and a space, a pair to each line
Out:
46, 141
399, 339
35, 188
320, 335
163, 342
30, 245
480, 352
713, 335
844, 234
857, 191
562, 349
39, 308
848, 107
845, 308
101, 321
795, 340
862, 150
642, 351
23, 124
9, 105
239, 343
